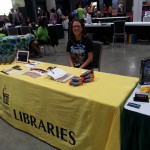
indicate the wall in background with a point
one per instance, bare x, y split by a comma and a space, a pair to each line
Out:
50, 4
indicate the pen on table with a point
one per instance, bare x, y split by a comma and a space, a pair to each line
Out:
4, 72
50, 68
52, 71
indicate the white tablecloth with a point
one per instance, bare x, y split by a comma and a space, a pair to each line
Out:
144, 106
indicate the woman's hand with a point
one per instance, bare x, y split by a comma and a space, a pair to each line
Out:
88, 61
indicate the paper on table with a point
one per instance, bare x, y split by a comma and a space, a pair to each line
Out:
56, 73
32, 64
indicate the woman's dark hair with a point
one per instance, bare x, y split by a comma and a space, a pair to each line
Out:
53, 10
72, 37
43, 22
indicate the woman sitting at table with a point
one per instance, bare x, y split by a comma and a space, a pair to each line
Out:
79, 47
42, 32
53, 16
42, 38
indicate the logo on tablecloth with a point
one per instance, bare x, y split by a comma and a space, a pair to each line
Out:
4, 102
5, 96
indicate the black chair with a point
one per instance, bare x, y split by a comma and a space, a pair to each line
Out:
25, 30
43, 45
119, 31
12, 31
90, 35
98, 46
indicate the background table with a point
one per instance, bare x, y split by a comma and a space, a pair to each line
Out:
135, 123
110, 19
141, 29
10, 44
67, 117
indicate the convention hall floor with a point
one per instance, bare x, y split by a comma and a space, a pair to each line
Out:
119, 61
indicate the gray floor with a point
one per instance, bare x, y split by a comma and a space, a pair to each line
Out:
116, 61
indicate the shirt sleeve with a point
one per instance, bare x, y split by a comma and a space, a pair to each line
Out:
69, 44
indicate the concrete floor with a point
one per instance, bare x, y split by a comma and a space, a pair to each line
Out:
119, 61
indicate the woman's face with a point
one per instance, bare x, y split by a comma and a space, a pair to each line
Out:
77, 28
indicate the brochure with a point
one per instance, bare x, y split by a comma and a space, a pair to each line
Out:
59, 75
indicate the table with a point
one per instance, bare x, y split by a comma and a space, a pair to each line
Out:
135, 123
141, 29
67, 117
110, 19
10, 44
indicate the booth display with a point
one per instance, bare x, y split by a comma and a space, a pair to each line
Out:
67, 117
135, 120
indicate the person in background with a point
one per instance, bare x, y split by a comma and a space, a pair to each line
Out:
89, 14
18, 17
79, 47
105, 11
26, 21
90, 10
42, 32
95, 14
12, 16
39, 12
120, 9
47, 14
110, 11
42, 36
80, 13
53, 16
59, 13
72, 15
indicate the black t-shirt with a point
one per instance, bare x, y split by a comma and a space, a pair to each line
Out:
79, 51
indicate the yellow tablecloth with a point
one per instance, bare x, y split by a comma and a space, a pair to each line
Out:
70, 118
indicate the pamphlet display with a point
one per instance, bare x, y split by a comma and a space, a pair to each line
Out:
35, 72
31, 69
11, 70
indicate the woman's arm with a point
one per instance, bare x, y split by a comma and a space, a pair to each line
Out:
70, 60
88, 61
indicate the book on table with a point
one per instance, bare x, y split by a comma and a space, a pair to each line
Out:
59, 75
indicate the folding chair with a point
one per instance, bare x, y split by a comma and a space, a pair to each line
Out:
119, 31
98, 46
12, 31
25, 30
44, 44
